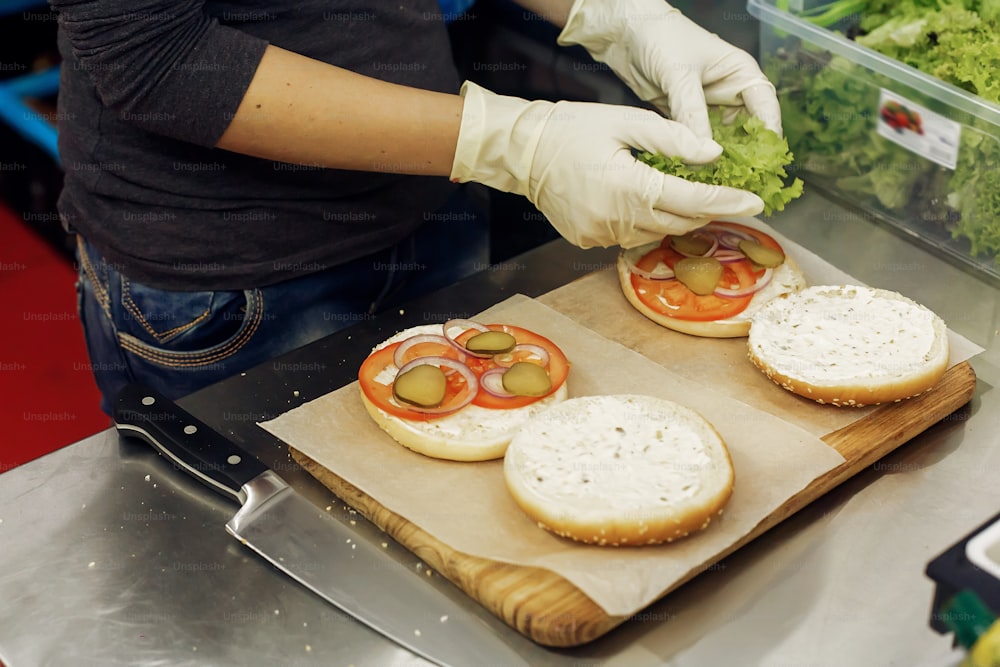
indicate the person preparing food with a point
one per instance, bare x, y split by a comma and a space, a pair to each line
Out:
244, 178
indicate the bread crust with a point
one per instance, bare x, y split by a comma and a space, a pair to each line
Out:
875, 383
593, 514
729, 328
423, 438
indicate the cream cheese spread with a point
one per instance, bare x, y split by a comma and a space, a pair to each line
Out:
614, 455
828, 335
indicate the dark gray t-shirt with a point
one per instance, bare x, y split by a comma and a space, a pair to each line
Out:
149, 86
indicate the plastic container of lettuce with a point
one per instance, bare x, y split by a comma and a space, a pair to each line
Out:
898, 145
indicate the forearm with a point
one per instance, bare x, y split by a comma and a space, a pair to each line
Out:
303, 111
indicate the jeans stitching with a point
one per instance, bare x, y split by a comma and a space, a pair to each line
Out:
136, 312
103, 298
182, 359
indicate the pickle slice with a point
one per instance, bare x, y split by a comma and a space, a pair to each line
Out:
758, 254
423, 386
526, 379
491, 342
690, 244
699, 274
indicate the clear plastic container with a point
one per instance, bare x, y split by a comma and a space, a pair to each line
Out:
899, 145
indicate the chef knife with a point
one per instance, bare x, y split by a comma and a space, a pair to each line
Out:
308, 544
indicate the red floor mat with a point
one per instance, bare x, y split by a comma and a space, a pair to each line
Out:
49, 397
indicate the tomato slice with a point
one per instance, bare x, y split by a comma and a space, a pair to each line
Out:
380, 393
558, 366
672, 299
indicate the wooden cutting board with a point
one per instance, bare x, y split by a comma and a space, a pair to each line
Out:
551, 611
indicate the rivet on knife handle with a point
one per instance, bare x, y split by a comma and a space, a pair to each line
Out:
191, 444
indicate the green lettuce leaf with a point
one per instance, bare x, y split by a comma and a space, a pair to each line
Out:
828, 106
975, 193
753, 158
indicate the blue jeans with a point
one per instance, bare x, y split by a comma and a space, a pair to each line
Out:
179, 342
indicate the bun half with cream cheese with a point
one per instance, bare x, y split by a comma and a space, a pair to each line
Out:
849, 345
619, 470
708, 282
434, 391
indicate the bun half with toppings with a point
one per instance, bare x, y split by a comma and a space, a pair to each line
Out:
849, 345
710, 281
460, 390
619, 470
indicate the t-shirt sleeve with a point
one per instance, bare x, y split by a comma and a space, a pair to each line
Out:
167, 67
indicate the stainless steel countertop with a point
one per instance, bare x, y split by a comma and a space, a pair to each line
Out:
108, 556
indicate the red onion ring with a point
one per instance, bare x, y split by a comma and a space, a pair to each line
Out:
728, 237
464, 325
726, 255
746, 291
731, 241
472, 384
665, 274
507, 359
492, 383
398, 357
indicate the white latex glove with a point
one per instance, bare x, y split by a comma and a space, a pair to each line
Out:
573, 160
672, 62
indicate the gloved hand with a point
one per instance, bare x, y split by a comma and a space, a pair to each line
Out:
672, 62
573, 160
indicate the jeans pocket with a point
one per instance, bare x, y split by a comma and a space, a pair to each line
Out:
185, 329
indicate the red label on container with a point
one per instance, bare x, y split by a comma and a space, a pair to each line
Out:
918, 129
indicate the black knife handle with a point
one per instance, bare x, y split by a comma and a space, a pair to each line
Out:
194, 446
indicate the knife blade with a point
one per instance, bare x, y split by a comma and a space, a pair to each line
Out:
308, 544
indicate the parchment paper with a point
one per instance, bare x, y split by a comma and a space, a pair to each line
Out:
467, 506
720, 363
